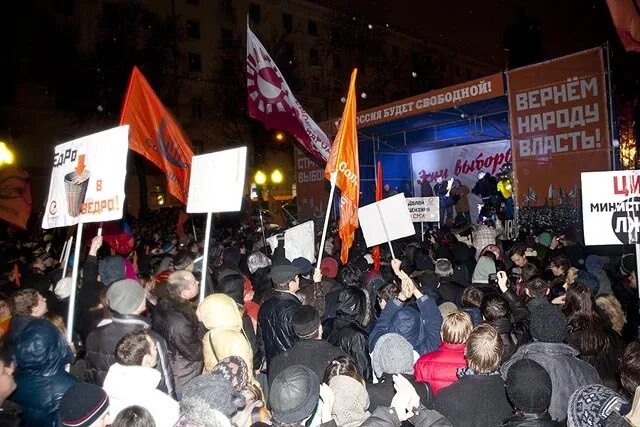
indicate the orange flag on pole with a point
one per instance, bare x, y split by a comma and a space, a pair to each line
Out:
344, 167
156, 135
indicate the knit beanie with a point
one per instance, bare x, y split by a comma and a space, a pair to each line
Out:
392, 355
305, 322
208, 392
234, 369
591, 405
447, 308
82, 405
329, 267
294, 394
351, 401
111, 269
125, 296
529, 386
548, 324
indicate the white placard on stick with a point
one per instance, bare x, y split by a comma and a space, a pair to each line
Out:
217, 181
87, 179
299, 241
390, 214
424, 209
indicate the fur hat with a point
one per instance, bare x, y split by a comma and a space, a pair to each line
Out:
529, 387
209, 392
256, 261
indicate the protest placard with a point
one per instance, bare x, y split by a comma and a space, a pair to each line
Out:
386, 220
299, 241
424, 209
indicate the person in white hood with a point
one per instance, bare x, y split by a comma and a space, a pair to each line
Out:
133, 380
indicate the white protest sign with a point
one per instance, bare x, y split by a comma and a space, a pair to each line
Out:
87, 180
299, 241
424, 209
217, 181
611, 207
390, 215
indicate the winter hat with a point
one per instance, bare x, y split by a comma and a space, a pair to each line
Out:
63, 288
495, 250
235, 370
82, 405
232, 285
447, 308
231, 256
545, 239
256, 261
111, 269
594, 262
591, 405
125, 296
548, 324
283, 274
529, 386
208, 392
351, 401
329, 267
484, 268
305, 322
302, 264
294, 394
423, 262
373, 281
392, 355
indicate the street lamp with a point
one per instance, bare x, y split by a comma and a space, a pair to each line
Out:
6, 155
279, 136
260, 178
276, 177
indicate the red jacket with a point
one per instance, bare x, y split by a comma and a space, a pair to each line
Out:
439, 368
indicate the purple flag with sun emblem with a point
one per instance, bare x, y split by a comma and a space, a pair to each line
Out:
270, 100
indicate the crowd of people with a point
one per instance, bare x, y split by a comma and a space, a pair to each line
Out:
465, 328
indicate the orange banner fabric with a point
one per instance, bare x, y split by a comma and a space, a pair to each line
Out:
343, 160
156, 135
559, 127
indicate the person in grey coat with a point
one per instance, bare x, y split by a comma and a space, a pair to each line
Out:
567, 372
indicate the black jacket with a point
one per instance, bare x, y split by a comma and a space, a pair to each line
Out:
509, 346
275, 328
474, 401
313, 354
182, 331
101, 349
530, 420
353, 340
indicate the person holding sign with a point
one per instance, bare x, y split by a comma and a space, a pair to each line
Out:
420, 327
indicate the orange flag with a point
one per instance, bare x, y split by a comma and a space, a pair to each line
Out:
375, 251
343, 161
156, 135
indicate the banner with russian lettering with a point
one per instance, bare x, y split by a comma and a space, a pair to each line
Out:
87, 180
461, 162
559, 127
312, 191
611, 207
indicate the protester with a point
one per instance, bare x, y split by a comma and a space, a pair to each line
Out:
174, 319
134, 416
26, 305
207, 400
478, 397
132, 380
9, 411
440, 368
127, 300
41, 353
84, 405
274, 318
310, 351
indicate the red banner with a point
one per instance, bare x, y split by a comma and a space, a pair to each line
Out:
559, 127
311, 190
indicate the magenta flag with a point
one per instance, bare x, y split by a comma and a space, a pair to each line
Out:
270, 100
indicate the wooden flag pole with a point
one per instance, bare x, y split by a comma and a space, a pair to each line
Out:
74, 282
333, 178
207, 235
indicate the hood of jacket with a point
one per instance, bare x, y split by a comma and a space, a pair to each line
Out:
41, 349
220, 311
122, 380
352, 305
484, 267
